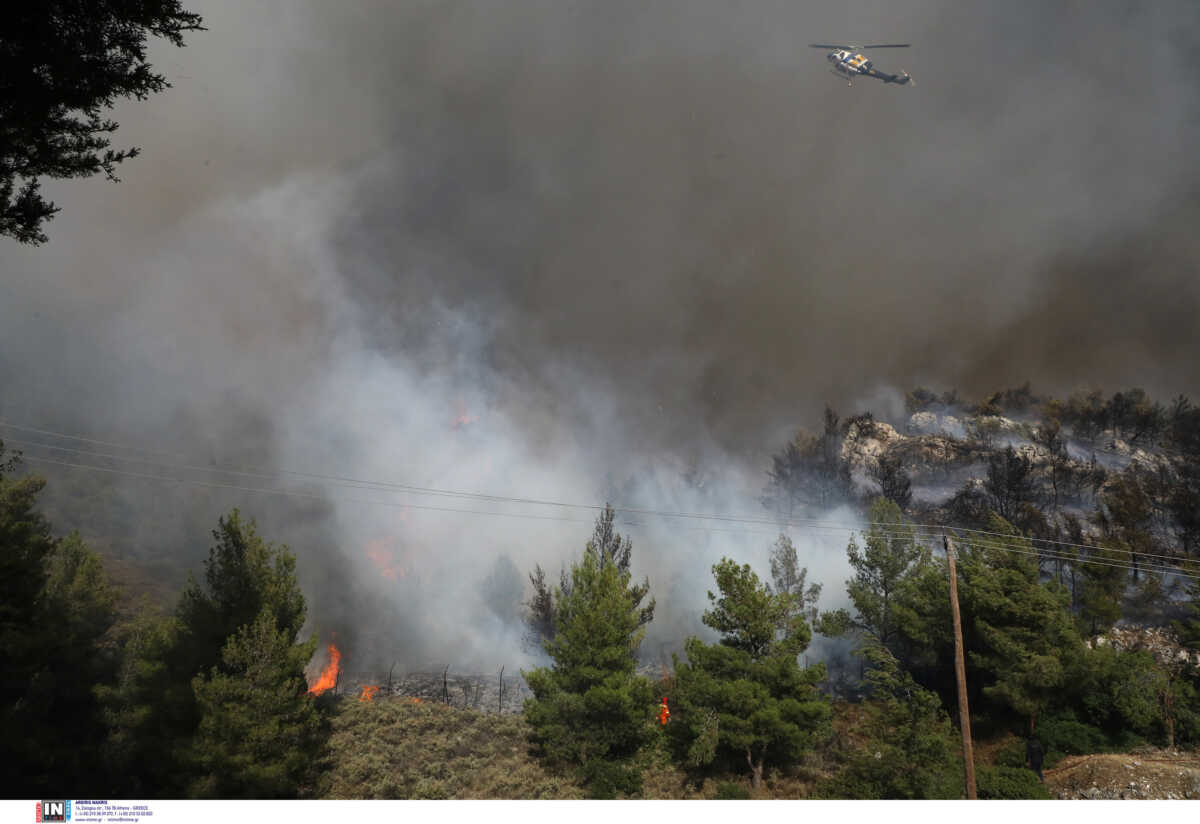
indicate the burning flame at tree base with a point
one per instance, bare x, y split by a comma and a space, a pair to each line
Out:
329, 675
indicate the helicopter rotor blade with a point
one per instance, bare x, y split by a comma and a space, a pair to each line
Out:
830, 46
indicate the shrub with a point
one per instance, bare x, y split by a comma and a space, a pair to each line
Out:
608, 779
1127, 740
1012, 756
1009, 783
1070, 737
732, 791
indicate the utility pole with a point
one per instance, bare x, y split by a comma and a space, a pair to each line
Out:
964, 715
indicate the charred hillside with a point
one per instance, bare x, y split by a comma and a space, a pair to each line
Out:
1117, 473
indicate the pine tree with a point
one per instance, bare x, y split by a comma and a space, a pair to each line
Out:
150, 712
1188, 628
243, 576
590, 710
909, 751
810, 470
1019, 633
746, 699
154, 712
608, 547
26, 544
883, 570
62, 63
894, 482
1009, 483
258, 735
1104, 577
791, 578
56, 607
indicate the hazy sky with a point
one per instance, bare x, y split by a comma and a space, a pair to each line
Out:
626, 242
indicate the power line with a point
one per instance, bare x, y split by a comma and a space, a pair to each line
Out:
890, 530
929, 531
290, 492
360, 483
87, 440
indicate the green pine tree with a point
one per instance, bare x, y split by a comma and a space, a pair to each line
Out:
886, 572
590, 710
1104, 578
154, 712
1020, 637
259, 732
1188, 629
910, 749
243, 576
56, 608
608, 547
788, 576
150, 711
746, 699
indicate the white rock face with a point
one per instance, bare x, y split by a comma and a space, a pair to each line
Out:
925, 422
953, 427
862, 450
928, 423
1161, 643
1030, 452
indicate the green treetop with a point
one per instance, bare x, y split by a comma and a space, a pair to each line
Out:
883, 571
746, 699
1020, 635
56, 607
589, 709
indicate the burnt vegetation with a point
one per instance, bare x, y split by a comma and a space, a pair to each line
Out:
1078, 527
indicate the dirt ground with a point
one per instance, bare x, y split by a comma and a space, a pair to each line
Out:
1157, 774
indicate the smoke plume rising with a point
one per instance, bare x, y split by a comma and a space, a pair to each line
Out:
588, 251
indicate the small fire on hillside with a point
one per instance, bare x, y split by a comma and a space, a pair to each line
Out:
329, 675
368, 692
386, 559
464, 418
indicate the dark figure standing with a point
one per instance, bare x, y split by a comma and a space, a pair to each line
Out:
1034, 755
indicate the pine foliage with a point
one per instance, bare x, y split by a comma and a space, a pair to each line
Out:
746, 700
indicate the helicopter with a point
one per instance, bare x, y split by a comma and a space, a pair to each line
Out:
850, 63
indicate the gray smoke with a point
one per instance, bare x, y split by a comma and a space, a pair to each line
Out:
588, 251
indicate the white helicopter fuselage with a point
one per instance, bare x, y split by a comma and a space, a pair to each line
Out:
848, 63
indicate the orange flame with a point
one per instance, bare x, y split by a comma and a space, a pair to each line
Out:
664, 713
463, 417
388, 555
385, 560
415, 700
329, 675
368, 693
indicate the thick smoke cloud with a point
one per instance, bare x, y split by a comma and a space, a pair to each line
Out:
579, 251
686, 188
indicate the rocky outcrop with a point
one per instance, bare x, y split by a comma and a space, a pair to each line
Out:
1159, 642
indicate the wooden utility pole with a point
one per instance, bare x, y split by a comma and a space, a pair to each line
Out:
964, 715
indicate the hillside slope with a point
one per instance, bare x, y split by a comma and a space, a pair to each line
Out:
402, 748
1157, 774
